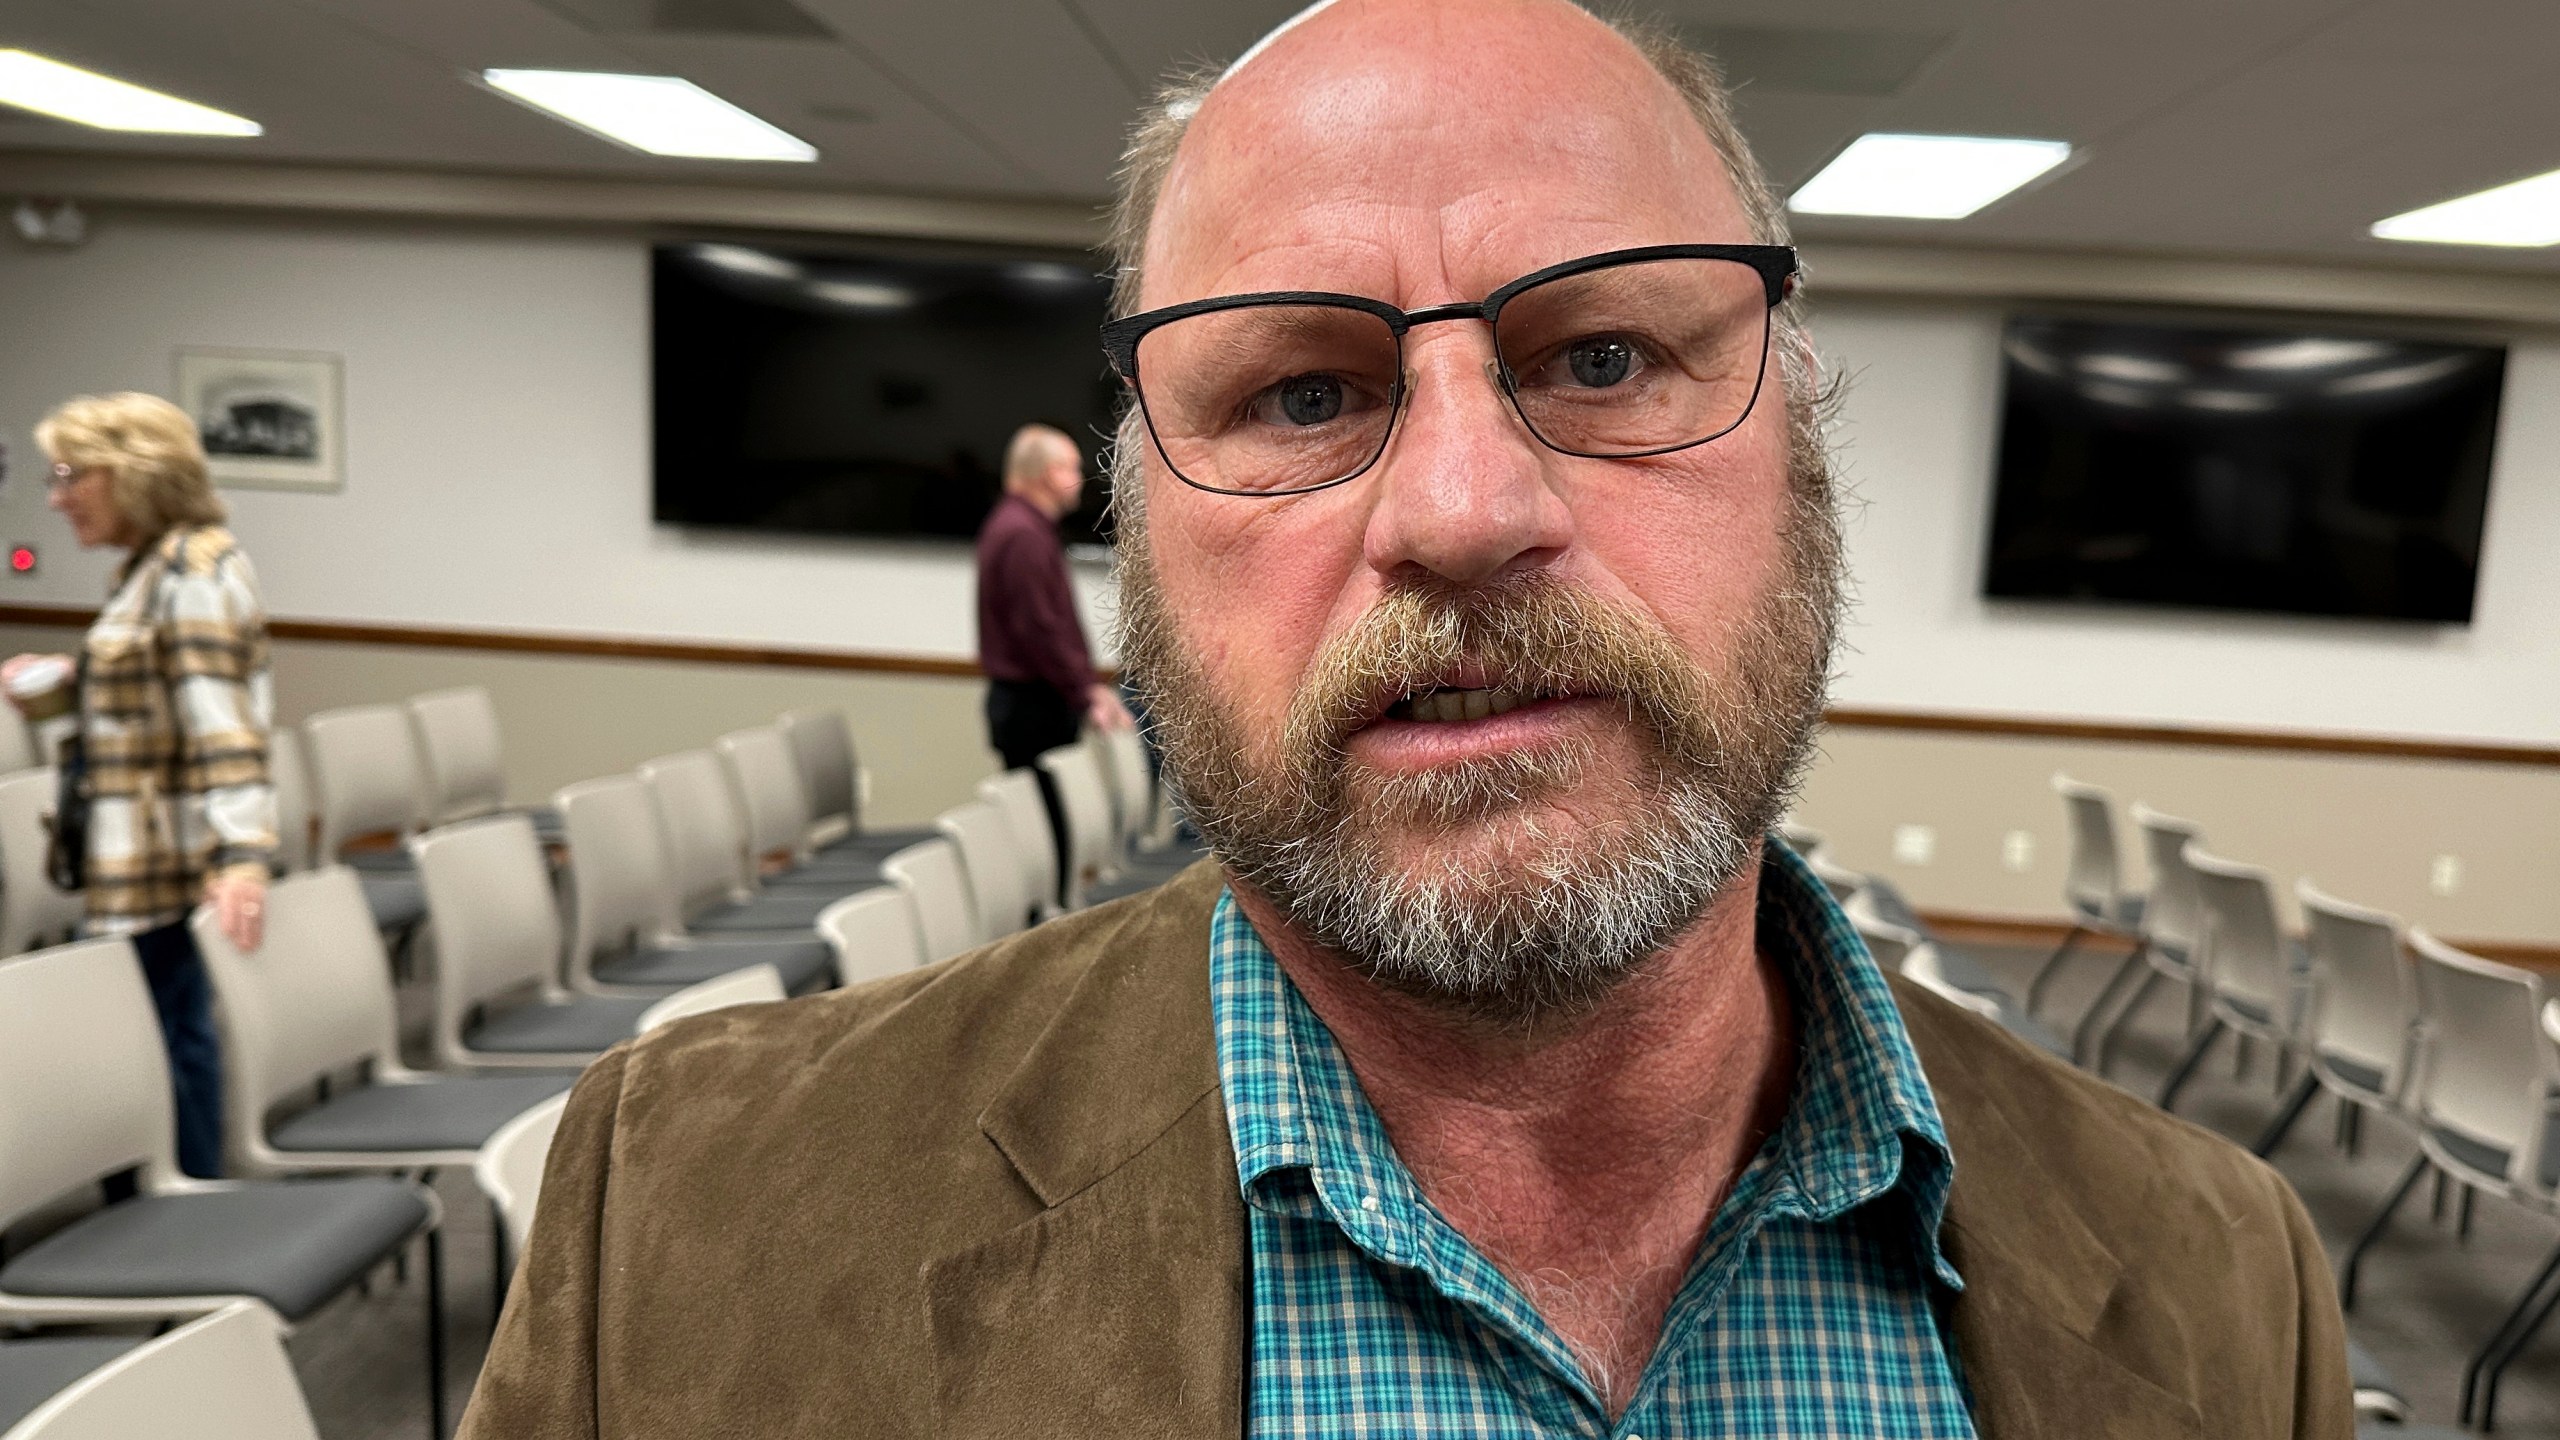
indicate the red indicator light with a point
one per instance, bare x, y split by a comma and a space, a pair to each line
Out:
22, 559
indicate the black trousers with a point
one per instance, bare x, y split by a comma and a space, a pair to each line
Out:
1024, 719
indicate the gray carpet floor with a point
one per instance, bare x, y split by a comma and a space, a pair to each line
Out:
2427, 1297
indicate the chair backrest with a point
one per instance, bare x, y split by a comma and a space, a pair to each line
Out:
1133, 784
2093, 877
291, 775
2365, 988
223, 1376
620, 884
464, 771
2487, 1067
2174, 916
2243, 952
1078, 779
985, 841
698, 817
1837, 878
874, 932
84, 1084
946, 913
1886, 941
1017, 794
365, 777
32, 911
1925, 965
18, 742
770, 798
496, 925
313, 999
754, 985
822, 742
509, 1170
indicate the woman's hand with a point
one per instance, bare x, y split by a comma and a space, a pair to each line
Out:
239, 900
10, 668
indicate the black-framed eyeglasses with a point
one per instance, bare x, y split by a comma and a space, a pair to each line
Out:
1610, 357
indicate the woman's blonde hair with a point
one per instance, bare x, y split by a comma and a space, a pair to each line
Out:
150, 450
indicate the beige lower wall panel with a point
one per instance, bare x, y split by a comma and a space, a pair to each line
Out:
2364, 829
568, 718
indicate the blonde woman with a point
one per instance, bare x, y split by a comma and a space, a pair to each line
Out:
175, 705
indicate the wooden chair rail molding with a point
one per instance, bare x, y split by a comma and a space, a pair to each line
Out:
709, 652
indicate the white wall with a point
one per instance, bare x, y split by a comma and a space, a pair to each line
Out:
1918, 434
497, 413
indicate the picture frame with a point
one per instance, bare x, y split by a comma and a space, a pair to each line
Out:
271, 419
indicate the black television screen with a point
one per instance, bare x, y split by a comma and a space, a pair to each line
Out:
2231, 466
840, 391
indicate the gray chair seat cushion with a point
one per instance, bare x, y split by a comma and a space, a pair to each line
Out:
804, 963
588, 1025
2377, 1394
1120, 889
396, 900
878, 842
34, 1371
291, 1243
379, 862
771, 910
844, 874
2355, 1072
457, 1112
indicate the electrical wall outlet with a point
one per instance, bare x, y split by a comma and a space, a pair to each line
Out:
1914, 844
2445, 876
2018, 851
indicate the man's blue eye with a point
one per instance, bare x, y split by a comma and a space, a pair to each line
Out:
1601, 362
1310, 399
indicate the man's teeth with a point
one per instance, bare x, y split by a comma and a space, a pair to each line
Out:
1434, 706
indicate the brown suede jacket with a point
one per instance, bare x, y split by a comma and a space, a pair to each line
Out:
996, 1199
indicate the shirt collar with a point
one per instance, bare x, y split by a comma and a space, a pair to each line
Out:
1861, 1123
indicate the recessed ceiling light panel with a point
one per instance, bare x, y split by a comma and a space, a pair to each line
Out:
84, 97
1924, 177
659, 114
2525, 213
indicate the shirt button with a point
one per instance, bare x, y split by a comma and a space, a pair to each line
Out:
1369, 1202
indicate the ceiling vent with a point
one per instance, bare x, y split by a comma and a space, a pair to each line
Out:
774, 19
1867, 63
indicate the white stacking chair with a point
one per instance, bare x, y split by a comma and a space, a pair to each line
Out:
2246, 966
461, 761
84, 1095
18, 743
1840, 880
755, 985
1089, 860
33, 911
2092, 879
875, 933
774, 813
365, 784
929, 874
498, 1000
2360, 1026
2172, 928
1017, 795
835, 785
291, 776
717, 891
985, 842
509, 1173
626, 938
312, 1079
1123, 754
222, 1376
2482, 1094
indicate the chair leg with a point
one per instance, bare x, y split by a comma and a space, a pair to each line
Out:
2051, 965
2435, 1205
2373, 1232
2515, 1348
2239, 1058
2300, 1100
2098, 1023
2507, 1341
2355, 1129
2186, 1070
435, 1334
2462, 1216
501, 1270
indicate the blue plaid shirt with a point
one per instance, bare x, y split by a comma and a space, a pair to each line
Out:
1814, 1306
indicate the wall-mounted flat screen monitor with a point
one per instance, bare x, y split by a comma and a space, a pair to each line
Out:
2308, 469
836, 390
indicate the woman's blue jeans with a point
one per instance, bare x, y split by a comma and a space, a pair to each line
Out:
184, 998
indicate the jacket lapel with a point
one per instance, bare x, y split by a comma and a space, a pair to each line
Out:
1121, 1307
2032, 1328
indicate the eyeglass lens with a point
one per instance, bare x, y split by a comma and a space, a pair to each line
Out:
1627, 360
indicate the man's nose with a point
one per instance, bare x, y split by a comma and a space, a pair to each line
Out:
1463, 491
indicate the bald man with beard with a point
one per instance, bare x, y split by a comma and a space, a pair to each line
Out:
1497, 1078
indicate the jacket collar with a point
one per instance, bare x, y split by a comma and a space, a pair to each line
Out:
1128, 1291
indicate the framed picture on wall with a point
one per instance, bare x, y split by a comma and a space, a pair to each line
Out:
270, 418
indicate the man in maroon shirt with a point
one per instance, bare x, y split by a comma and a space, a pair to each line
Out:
1040, 681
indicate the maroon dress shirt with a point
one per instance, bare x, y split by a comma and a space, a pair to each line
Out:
1027, 626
